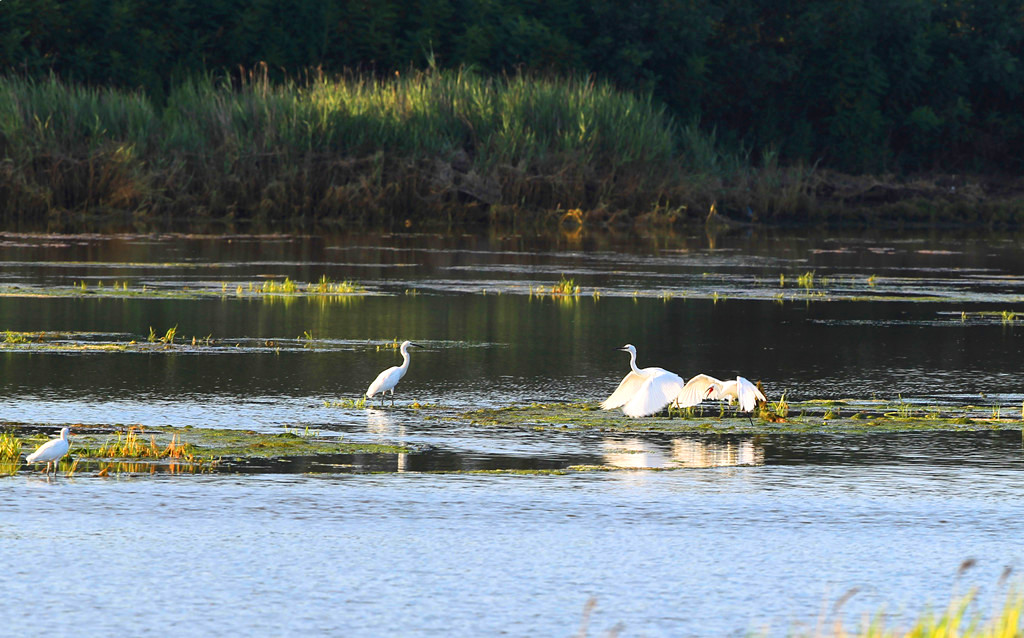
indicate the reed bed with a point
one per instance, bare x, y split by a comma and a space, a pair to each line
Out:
427, 146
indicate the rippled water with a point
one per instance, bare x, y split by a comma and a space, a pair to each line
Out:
748, 533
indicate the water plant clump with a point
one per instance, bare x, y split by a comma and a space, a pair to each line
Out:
327, 287
10, 446
129, 445
565, 287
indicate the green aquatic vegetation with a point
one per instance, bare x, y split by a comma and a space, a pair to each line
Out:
781, 408
10, 447
565, 287
129, 445
806, 280
15, 337
346, 403
305, 432
168, 338
137, 450
903, 409
805, 416
271, 287
326, 287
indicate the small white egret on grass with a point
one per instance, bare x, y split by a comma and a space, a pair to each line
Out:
388, 379
643, 392
52, 451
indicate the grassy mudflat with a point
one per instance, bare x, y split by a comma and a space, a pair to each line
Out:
134, 449
854, 416
114, 449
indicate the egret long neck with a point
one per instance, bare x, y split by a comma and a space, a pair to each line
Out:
632, 361
405, 358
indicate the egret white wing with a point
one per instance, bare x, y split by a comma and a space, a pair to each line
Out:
696, 390
49, 451
384, 381
657, 391
729, 391
627, 388
748, 394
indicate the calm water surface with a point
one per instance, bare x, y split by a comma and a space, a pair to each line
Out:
750, 534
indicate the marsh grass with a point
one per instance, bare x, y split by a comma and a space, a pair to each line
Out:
957, 620
327, 287
10, 447
425, 145
129, 445
565, 287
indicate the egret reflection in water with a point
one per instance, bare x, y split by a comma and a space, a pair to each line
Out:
384, 426
682, 452
692, 452
634, 453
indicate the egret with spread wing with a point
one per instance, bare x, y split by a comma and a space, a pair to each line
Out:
643, 392
697, 389
743, 391
703, 387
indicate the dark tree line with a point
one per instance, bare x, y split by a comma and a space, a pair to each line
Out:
857, 85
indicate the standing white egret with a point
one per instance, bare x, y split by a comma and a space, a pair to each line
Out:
388, 379
52, 451
643, 392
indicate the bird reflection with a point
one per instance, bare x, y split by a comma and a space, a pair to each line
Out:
383, 424
682, 452
633, 453
703, 453
378, 422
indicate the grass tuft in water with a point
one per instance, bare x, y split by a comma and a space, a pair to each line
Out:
10, 447
565, 287
806, 280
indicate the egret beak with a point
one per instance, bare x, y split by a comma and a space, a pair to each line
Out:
415, 345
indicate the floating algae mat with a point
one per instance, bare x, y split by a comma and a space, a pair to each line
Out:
840, 416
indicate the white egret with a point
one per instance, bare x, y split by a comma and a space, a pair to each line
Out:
643, 392
703, 387
52, 451
743, 391
697, 389
388, 379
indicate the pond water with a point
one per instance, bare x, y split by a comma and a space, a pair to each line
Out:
748, 533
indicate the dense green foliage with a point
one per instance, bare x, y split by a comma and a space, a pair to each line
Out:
429, 145
859, 85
